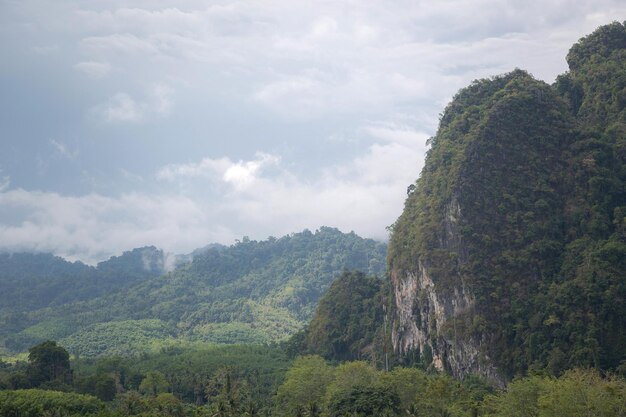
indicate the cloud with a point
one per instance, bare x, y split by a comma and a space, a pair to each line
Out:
278, 77
94, 69
63, 150
124, 43
122, 108
45, 49
93, 227
5, 182
240, 175
327, 58
397, 133
161, 97
258, 197
207, 167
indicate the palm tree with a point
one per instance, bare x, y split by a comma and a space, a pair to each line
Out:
250, 410
221, 410
313, 410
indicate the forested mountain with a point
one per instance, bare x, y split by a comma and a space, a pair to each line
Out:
32, 281
348, 321
250, 292
511, 251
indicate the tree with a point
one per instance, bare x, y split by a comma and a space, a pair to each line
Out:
581, 393
105, 388
49, 363
347, 318
373, 400
154, 383
305, 382
168, 405
407, 382
348, 376
519, 400
131, 403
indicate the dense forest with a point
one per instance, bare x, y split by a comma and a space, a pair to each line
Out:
514, 235
250, 292
290, 379
503, 293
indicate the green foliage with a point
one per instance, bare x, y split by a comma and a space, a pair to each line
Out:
48, 363
305, 383
105, 388
257, 370
521, 201
347, 377
370, 400
38, 403
118, 338
154, 383
34, 281
311, 387
348, 319
357, 388
578, 393
407, 383
250, 292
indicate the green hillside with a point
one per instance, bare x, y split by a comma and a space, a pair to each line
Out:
348, 321
518, 220
250, 292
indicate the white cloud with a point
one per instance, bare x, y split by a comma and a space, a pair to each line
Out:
93, 227
207, 168
324, 27
314, 60
122, 108
393, 132
119, 43
161, 95
45, 49
304, 70
240, 175
94, 69
258, 197
63, 149
5, 182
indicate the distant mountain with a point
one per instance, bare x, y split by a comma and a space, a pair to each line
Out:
510, 254
31, 281
253, 291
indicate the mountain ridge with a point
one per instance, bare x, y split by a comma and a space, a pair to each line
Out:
250, 292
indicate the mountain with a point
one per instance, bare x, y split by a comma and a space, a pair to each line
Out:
32, 282
348, 321
250, 292
510, 253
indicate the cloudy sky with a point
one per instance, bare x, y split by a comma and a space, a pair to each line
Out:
176, 124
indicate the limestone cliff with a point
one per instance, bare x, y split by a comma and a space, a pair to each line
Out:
508, 224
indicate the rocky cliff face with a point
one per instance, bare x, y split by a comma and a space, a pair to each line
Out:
487, 150
426, 319
520, 209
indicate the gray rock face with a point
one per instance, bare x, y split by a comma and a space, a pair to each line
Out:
440, 318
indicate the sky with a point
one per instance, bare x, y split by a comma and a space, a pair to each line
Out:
183, 123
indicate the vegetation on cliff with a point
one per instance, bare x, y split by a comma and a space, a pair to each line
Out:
522, 201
